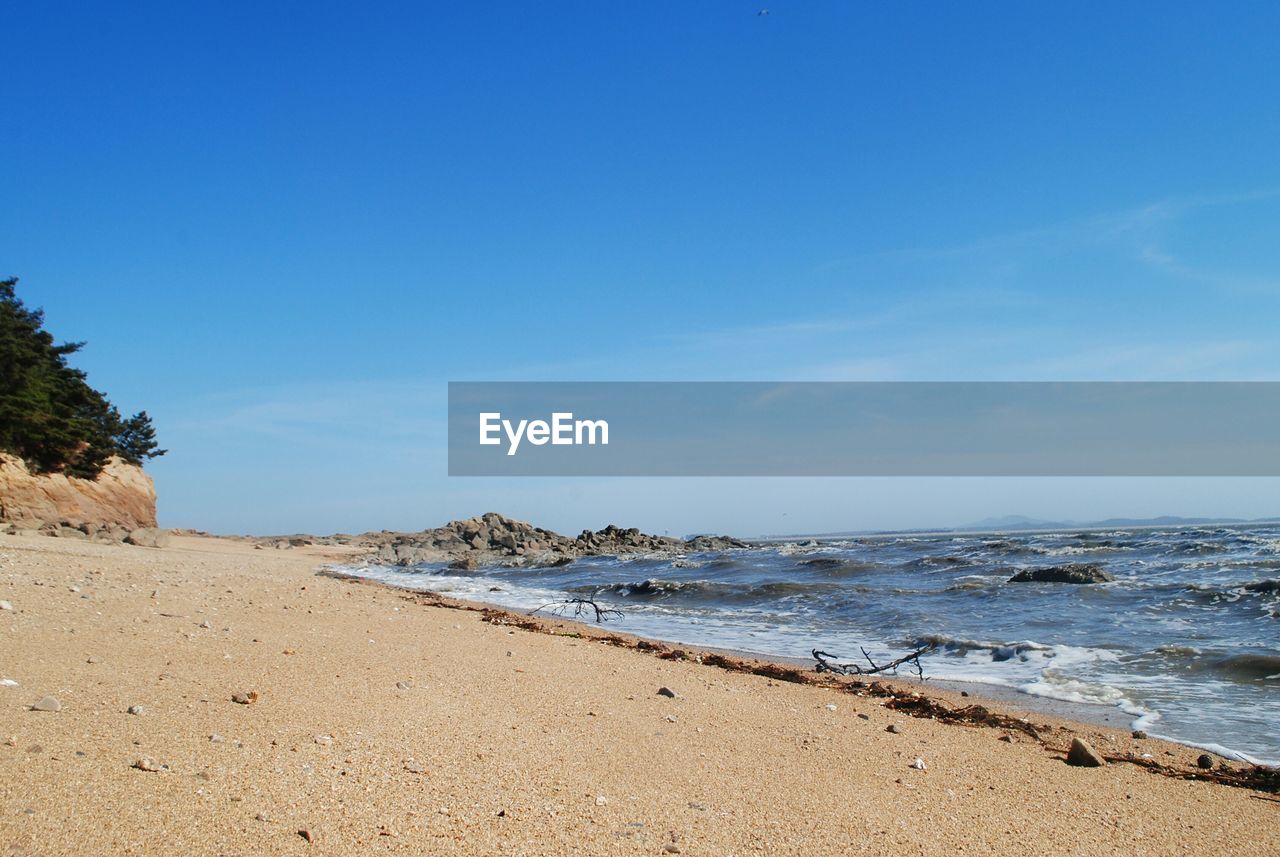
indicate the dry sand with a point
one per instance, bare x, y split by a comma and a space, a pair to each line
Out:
499, 741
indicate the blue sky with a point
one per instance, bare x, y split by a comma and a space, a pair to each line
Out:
282, 230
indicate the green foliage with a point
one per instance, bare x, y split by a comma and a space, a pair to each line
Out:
49, 415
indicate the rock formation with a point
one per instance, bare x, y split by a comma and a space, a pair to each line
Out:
492, 537
120, 501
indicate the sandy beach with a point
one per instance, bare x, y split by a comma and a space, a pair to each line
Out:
376, 721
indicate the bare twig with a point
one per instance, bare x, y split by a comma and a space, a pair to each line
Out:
580, 607
829, 663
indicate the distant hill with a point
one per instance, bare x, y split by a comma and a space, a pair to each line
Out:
1022, 522
1005, 523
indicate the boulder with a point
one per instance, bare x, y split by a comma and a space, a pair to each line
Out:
148, 537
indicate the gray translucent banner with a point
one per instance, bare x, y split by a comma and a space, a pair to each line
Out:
864, 429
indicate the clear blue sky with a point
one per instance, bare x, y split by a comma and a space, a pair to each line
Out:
283, 227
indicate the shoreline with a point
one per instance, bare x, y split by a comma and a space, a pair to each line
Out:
214, 698
1011, 701
1088, 714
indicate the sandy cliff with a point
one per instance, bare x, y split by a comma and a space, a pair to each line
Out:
121, 497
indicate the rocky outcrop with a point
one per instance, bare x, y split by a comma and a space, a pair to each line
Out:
120, 500
1076, 572
493, 538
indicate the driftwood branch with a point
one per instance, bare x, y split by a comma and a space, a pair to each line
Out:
578, 608
829, 663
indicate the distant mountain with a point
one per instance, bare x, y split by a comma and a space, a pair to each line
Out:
1014, 522
1005, 523
1022, 522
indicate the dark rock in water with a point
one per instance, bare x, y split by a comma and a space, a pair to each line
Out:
1263, 586
465, 564
1003, 653
1139, 734
713, 543
1083, 756
1205, 761
1076, 572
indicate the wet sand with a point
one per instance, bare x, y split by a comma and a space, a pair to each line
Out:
385, 723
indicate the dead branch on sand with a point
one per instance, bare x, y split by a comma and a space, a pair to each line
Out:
829, 663
580, 607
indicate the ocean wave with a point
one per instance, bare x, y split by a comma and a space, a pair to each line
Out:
831, 566
714, 591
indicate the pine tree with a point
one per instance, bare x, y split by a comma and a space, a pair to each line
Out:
49, 415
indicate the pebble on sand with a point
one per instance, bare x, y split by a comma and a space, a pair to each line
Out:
667, 692
1205, 761
1083, 756
919, 764
5, 605
245, 698
147, 764
893, 727
601, 800
830, 706
402, 685
135, 709
47, 703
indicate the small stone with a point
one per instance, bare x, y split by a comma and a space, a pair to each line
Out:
306, 834
5, 605
893, 727
324, 740
1139, 734
601, 800
414, 767
146, 764
671, 849
402, 685
1205, 761
135, 709
245, 698
667, 692
205, 624
830, 706
262, 816
671, 718
918, 764
862, 716
47, 703
215, 738
1008, 739
1083, 756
